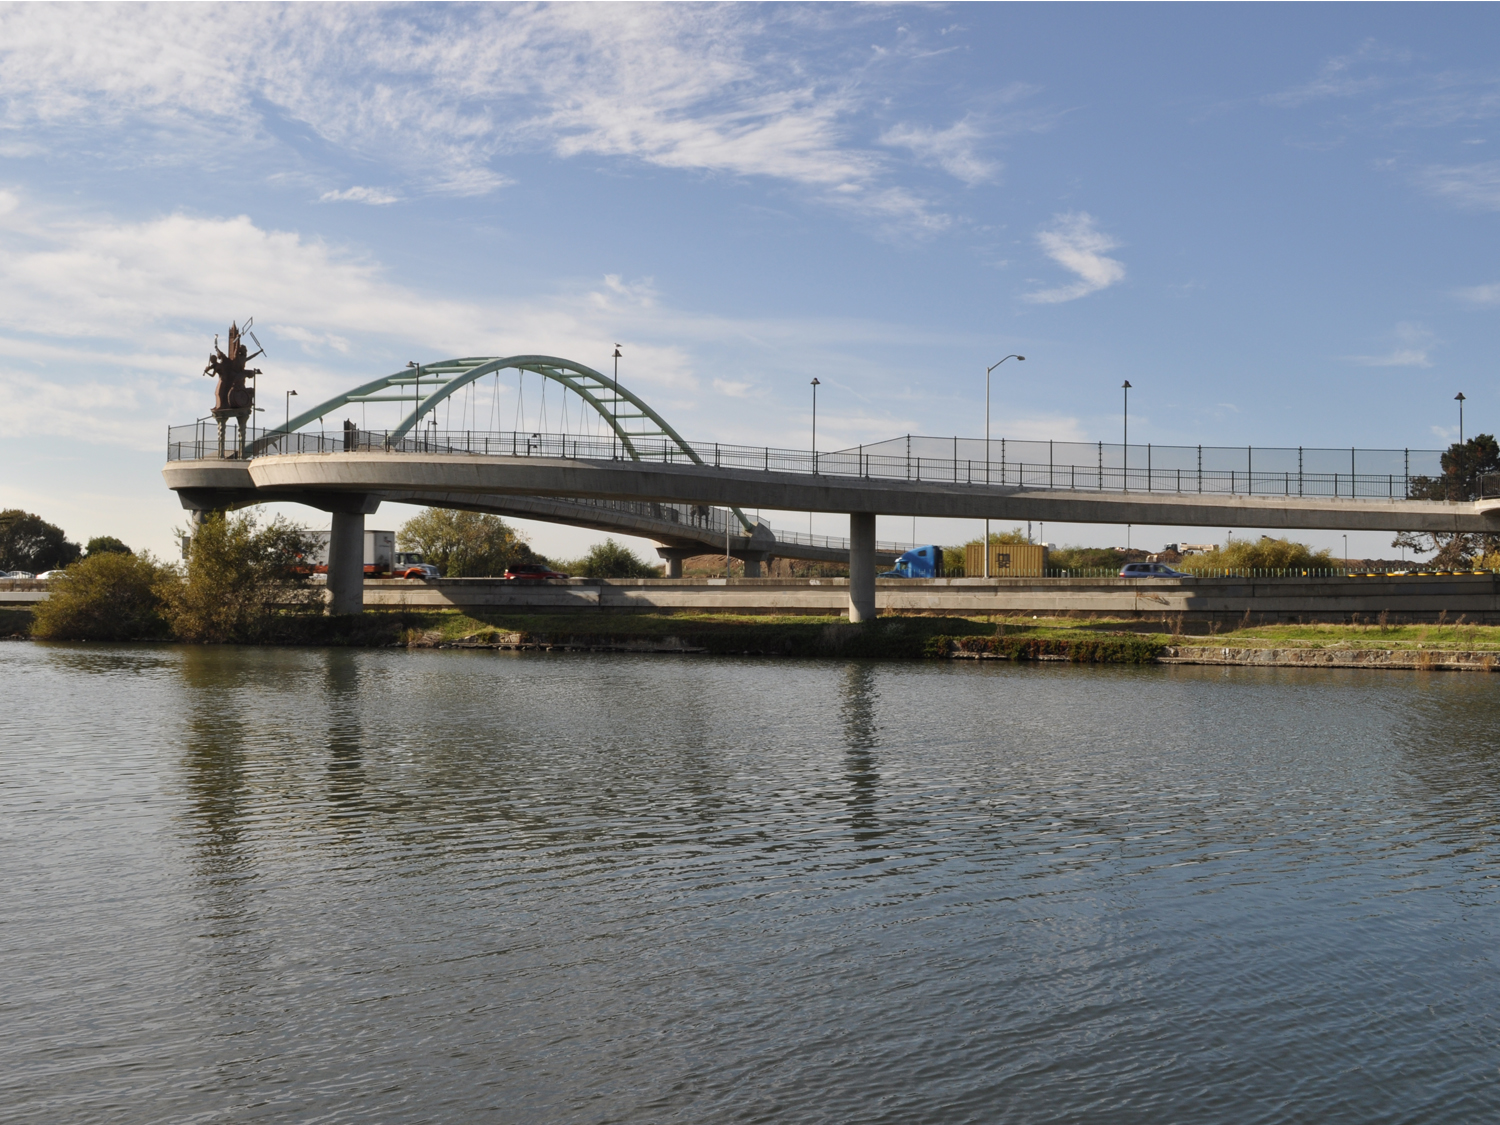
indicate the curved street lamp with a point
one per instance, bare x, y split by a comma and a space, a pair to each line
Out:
987, 371
1459, 398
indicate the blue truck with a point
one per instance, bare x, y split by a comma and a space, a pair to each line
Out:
919, 562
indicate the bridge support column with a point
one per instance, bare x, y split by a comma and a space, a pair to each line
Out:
753, 564
674, 557
346, 563
861, 566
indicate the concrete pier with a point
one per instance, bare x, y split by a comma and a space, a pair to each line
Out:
346, 563
861, 566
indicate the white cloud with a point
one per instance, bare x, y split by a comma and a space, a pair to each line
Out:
1414, 343
952, 149
442, 93
371, 195
1076, 243
1336, 78
1480, 294
1473, 186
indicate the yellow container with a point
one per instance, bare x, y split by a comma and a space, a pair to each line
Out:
1007, 560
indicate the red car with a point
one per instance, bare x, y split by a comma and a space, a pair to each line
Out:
416, 570
531, 572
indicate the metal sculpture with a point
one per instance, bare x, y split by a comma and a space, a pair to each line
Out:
232, 398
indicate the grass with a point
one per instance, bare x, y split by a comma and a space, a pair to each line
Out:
914, 637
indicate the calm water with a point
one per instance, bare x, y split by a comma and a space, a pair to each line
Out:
354, 886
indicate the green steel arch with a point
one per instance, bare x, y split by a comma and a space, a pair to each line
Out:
625, 412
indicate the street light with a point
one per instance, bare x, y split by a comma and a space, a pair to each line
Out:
987, 371
1125, 454
1346, 552
1459, 398
616, 405
815, 385
289, 396
416, 394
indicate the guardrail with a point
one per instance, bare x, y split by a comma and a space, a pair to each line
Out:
1071, 466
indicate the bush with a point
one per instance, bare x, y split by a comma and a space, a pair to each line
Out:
614, 560
106, 597
106, 544
242, 583
464, 544
1264, 553
28, 542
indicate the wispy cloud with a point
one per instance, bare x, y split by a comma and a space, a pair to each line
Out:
953, 149
445, 94
1076, 243
1488, 295
371, 195
1413, 346
1472, 186
1338, 77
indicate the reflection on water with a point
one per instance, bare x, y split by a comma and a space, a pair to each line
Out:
341, 885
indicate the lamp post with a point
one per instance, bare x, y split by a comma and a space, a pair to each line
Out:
1346, 552
987, 371
416, 395
616, 405
1459, 398
288, 427
1125, 454
815, 385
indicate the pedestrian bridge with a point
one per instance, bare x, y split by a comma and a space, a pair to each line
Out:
637, 467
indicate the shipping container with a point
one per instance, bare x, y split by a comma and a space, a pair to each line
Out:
1007, 560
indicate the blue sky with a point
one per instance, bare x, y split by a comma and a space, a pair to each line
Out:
1276, 221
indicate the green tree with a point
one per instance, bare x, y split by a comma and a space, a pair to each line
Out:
1464, 465
28, 542
243, 582
108, 596
107, 544
615, 560
464, 544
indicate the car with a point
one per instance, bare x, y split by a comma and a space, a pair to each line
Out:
48, 575
1150, 570
20, 574
424, 571
531, 572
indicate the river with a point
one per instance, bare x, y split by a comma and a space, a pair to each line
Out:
370, 885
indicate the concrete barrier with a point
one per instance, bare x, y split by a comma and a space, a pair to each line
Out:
1402, 597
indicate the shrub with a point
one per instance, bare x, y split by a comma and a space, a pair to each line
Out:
1264, 553
243, 583
614, 560
28, 542
464, 544
106, 597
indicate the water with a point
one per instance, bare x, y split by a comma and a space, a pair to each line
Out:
337, 886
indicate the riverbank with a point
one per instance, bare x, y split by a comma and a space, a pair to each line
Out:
1456, 646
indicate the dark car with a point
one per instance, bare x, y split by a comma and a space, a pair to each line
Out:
531, 572
1150, 570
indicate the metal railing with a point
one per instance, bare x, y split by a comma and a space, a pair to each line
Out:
1071, 466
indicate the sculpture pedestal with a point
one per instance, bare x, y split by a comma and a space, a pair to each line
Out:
241, 418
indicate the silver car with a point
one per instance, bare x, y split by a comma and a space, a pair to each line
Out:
1150, 570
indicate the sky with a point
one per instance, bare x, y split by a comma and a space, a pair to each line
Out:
1276, 221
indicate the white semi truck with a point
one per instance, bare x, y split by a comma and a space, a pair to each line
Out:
380, 552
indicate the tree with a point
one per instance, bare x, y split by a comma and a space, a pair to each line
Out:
107, 544
615, 560
1463, 468
108, 596
242, 581
28, 542
464, 544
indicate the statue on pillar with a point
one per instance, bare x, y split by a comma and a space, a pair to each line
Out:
232, 398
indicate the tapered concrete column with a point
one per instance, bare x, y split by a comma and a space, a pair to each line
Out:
861, 566
346, 563
674, 567
674, 557
752, 566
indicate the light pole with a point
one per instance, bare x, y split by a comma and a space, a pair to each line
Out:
616, 403
815, 385
1459, 398
1346, 552
987, 371
1125, 454
288, 427
416, 395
